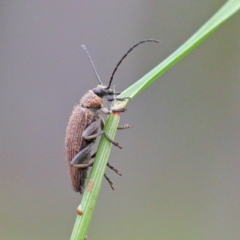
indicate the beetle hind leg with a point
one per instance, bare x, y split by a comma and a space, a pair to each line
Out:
87, 165
109, 165
114, 169
109, 181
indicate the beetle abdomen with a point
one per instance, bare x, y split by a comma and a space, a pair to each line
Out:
79, 120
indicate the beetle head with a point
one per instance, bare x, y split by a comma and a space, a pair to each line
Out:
103, 91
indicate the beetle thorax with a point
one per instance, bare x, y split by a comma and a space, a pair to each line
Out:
91, 100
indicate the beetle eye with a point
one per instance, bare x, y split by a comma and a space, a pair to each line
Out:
99, 92
102, 92
108, 91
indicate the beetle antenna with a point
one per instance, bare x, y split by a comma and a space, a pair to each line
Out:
115, 69
91, 61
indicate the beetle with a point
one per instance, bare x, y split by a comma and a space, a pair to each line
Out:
84, 124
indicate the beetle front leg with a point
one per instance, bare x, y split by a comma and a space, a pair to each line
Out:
111, 98
108, 111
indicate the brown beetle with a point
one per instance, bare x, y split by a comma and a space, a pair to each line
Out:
84, 124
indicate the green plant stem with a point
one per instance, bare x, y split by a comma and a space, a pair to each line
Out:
101, 159
223, 14
96, 175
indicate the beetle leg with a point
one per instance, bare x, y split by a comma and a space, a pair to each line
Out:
114, 169
76, 161
93, 127
108, 138
108, 111
105, 111
109, 181
119, 110
108, 164
86, 165
125, 126
81, 156
123, 99
93, 136
83, 165
111, 98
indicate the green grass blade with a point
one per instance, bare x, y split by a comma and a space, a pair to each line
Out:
101, 159
96, 176
225, 12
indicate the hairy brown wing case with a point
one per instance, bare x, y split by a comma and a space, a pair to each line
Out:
79, 120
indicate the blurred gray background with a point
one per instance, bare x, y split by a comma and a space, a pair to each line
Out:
180, 161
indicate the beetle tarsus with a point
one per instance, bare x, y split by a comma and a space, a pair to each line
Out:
109, 181
125, 126
117, 145
119, 110
111, 98
114, 169
123, 99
